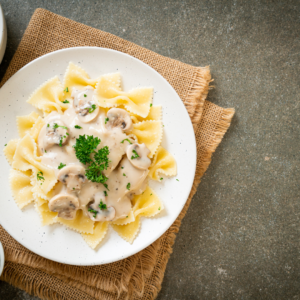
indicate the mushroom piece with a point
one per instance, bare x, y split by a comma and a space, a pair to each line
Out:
99, 211
118, 117
72, 176
84, 104
66, 205
137, 154
56, 133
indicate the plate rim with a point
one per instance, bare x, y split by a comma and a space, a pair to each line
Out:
149, 242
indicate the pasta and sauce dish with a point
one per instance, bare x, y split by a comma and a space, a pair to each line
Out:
86, 160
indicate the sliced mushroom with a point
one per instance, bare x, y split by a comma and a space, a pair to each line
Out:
66, 205
56, 133
84, 104
137, 154
118, 117
72, 176
98, 211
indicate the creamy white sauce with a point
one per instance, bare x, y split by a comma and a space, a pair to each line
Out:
120, 172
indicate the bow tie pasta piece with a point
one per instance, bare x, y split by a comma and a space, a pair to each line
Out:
25, 123
94, 239
76, 77
80, 223
145, 205
150, 133
155, 114
25, 158
163, 163
21, 188
49, 96
123, 221
47, 217
109, 94
10, 149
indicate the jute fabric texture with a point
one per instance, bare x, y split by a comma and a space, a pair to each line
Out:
139, 276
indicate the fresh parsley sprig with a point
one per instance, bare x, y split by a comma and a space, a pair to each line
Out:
136, 155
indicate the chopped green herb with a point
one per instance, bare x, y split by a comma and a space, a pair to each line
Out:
161, 178
66, 101
124, 174
48, 125
93, 212
73, 188
61, 165
150, 104
102, 206
128, 186
60, 142
84, 95
106, 120
106, 186
77, 127
126, 216
40, 175
45, 151
177, 179
159, 208
122, 167
67, 133
5, 145
86, 146
105, 193
92, 108
150, 194
127, 141
135, 154
66, 90
55, 125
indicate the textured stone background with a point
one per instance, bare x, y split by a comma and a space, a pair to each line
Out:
240, 237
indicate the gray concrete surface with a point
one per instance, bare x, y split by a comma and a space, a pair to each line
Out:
240, 237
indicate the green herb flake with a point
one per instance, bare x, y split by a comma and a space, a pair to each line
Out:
122, 167
92, 108
93, 212
40, 175
55, 125
84, 95
77, 127
150, 194
177, 179
135, 154
105, 193
73, 188
5, 145
161, 178
127, 141
60, 142
150, 104
102, 205
45, 151
159, 208
128, 186
106, 120
67, 133
66, 90
66, 101
61, 165
126, 216
48, 125
124, 174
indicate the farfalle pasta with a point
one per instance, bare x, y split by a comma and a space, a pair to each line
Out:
86, 161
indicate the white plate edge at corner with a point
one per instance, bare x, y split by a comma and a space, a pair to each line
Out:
2, 258
192, 169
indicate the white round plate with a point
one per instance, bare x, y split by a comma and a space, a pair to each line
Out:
3, 34
2, 259
56, 242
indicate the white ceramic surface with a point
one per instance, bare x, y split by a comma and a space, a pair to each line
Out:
3, 34
2, 259
56, 242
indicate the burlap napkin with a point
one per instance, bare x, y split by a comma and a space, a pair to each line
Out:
139, 276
